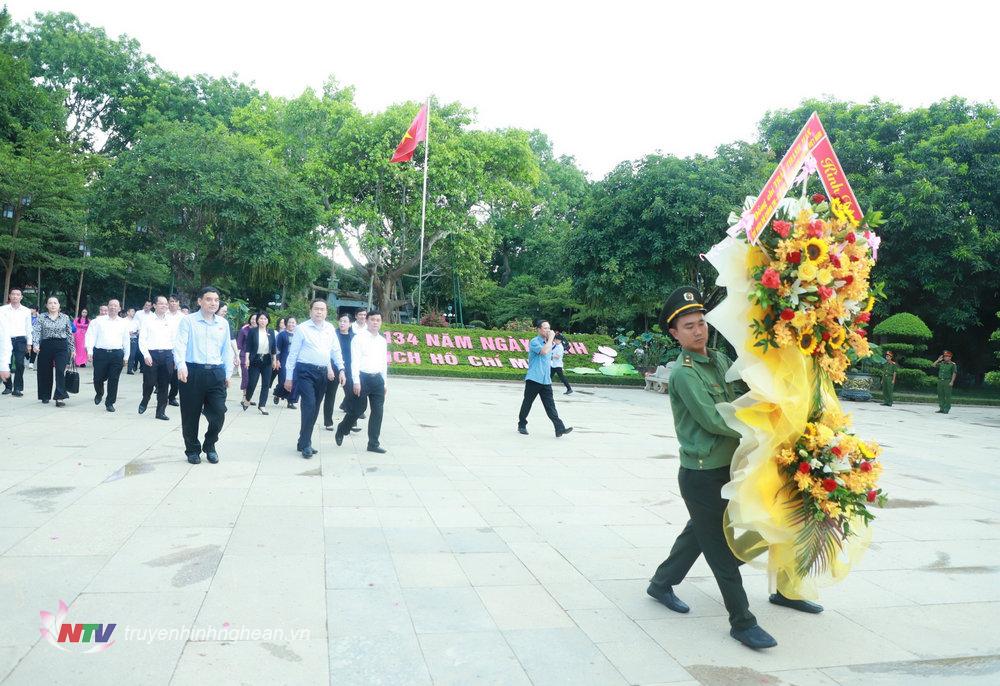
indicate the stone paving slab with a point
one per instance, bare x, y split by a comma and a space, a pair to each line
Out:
468, 554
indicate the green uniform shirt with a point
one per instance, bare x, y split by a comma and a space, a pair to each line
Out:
696, 384
946, 370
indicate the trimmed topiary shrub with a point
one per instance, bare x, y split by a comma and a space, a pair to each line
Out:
919, 363
914, 379
903, 325
434, 318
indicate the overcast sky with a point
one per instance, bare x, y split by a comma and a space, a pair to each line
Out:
606, 81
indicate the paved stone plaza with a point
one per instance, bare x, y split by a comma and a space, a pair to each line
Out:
467, 554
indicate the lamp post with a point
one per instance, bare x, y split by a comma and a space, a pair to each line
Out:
85, 251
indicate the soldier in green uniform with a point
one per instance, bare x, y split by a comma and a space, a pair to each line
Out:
707, 444
888, 379
947, 371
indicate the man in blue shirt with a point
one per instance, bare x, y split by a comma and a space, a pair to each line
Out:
538, 381
283, 341
204, 364
313, 359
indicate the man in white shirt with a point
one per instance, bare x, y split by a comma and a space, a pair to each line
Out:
146, 311
369, 368
175, 313
108, 347
360, 321
17, 322
156, 345
5, 350
133, 344
314, 358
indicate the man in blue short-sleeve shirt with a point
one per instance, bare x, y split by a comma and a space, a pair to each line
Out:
538, 381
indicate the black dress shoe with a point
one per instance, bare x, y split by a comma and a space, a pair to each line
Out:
142, 408
522, 430
307, 452
569, 392
193, 458
130, 373
173, 403
45, 402
212, 456
800, 605
377, 449
7, 391
60, 403
98, 398
355, 429
109, 408
17, 394
162, 415
330, 428
559, 434
668, 598
339, 438
291, 406
753, 637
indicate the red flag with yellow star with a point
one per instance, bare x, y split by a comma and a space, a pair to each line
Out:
416, 133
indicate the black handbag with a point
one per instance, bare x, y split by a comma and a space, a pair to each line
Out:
72, 382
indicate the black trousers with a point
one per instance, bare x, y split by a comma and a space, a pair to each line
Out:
107, 367
16, 380
204, 392
172, 384
134, 358
373, 395
53, 356
329, 398
259, 370
533, 389
702, 493
558, 371
279, 389
310, 384
158, 377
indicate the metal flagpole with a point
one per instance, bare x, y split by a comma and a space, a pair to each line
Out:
423, 209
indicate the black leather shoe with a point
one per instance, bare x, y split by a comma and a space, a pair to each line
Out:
339, 438
193, 458
522, 430
109, 408
142, 407
307, 452
173, 403
162, 415
45, 402
7, 391
668, 598
377, 449
60, 403
212, 456
130, 373
562, 433
291, 406
17, 394
800, 605
753, 637
330, 428
98, 398
569, 392
355, 429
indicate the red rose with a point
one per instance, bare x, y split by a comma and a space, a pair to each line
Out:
854, 258
862, 333
771, 278
866, 466
794, 257
804, 467
787, 314
825, 292
815, 229
836, 450
863, 317
834, 260
826, 335
817, 198
872, 496
849, 279
829, 485
851, 237
781, 228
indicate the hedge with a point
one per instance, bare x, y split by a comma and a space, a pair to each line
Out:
903, 347
476, 353
914, 378
918, 363
903, 325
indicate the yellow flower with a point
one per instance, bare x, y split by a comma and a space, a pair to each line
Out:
818, 492
807, 271
824, 277
842, 212
831, 508
824, 434
870, 304
816, 250
785, 457
783, 335
803, 481
837, 337
808, 341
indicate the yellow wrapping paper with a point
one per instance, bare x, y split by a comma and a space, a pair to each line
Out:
782, 384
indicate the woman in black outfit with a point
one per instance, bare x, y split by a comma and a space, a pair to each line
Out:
52, 334
260, 355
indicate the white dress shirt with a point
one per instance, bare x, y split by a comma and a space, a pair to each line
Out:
108, 334
133, 325
368, 355
157, 333
6, 347
17, 322
358, 328
314, 344
141, 315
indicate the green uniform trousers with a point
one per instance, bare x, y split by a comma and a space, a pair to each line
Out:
887, 388
702, 493
944, 395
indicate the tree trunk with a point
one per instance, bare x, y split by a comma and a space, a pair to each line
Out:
505, 277
38, 293
79, 293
